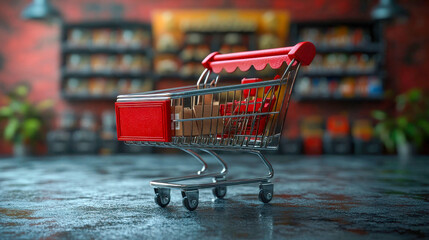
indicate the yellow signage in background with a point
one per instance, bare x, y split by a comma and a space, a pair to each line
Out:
271, 27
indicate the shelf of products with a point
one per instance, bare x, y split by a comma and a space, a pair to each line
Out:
103, 88
361, 87
339, 98
183, 38
107, 63
348, 64
335, 134
102, 59
107, 50
107, 34
83, 134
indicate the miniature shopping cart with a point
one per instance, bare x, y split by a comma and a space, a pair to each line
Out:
209, 116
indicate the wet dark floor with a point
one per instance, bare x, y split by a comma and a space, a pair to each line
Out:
314, 197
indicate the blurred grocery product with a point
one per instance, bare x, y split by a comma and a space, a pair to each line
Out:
59, 140
365, 142
337, 138
108, 140
362, 129
84, 140
311, 129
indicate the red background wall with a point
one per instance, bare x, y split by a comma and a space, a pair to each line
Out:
29, 51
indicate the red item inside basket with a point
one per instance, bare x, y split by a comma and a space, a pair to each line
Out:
253, 125
248, 125
243, 106
253, 90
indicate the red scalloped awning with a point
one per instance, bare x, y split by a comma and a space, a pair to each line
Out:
245, 64
303, 52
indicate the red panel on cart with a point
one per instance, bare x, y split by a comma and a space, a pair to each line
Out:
143, 121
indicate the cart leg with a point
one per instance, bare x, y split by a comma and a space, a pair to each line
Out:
219, 159
169, 182
219, 191
190, 199
266, 192
266, 189
199, 158
162, 196
266, 163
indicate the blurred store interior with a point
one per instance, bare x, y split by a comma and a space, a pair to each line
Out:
62, 64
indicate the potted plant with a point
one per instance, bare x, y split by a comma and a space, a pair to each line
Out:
408, 126
21, 120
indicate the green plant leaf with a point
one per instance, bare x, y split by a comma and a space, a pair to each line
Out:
24, 116
11, 129
31, 128
411, 124
414, 135
382, 130
15, 105
25, 109
414, 95
6, 112
388, 141
399, 137
379, 115
411, 130
21, 90
417, 140
402, 122
424, 125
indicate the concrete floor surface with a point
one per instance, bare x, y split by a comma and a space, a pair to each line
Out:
330, 197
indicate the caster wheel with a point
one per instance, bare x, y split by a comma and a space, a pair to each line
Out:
162, 201
219, 192
162, 197
191, 205
266, 192
265, 197
190, 199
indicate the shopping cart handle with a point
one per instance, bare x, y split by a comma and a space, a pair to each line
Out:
302, 52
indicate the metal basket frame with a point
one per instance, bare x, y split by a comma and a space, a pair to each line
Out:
269, 140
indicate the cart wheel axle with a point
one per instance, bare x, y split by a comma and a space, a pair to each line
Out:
190, 199
162, 196
219, 192
266, 192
